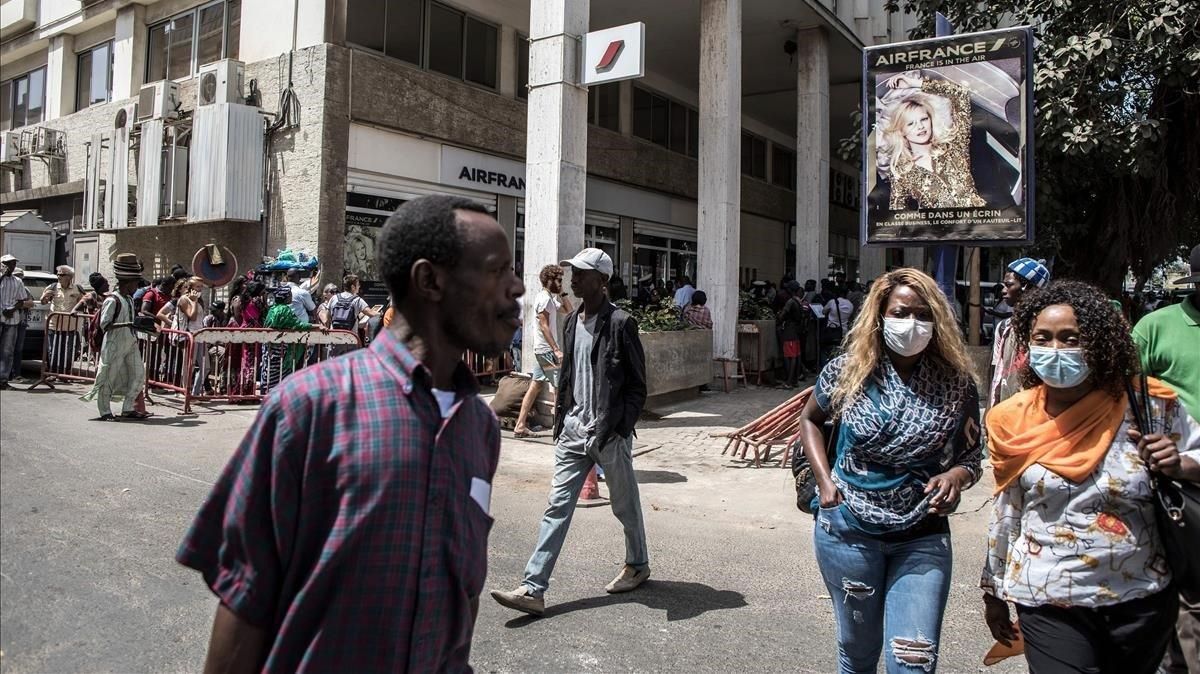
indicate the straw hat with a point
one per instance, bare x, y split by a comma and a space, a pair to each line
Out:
127, 267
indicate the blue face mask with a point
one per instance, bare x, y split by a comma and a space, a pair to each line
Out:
1059, 368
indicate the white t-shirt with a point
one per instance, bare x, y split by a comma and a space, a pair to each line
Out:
832, 308
578, 422
544, 303
357, 306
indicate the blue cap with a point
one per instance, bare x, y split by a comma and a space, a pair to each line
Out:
1031, 270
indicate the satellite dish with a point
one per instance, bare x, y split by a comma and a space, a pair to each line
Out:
208, 88
215, 265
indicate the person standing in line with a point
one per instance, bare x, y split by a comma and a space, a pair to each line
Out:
1073, 540
62, 296
683, 295
697, 314
327, 294
838, 311
157, 297
189, 317
1008, 356
121, 373
906, 445
376, 566
550, 305
602, 393
1167, 342
22, 328
302, 302
14, 300
793, 319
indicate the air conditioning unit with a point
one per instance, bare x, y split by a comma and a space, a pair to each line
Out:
125, 117
10, 148
158, 100
221, 82
47, 142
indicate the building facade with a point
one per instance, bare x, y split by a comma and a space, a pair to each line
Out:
720, 163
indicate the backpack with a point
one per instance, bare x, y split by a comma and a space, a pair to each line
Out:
341, 315
95, 335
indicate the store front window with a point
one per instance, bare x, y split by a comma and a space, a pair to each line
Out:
607, 239
658, 261
843, 252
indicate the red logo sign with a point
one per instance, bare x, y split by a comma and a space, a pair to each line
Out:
610, 55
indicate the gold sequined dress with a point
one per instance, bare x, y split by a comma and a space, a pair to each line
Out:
949, 184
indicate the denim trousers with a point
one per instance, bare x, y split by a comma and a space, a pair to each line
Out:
570, 470
884, 593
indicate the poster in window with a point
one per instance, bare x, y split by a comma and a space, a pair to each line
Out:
948, 140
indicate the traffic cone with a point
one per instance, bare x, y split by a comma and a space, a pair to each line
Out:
590, 496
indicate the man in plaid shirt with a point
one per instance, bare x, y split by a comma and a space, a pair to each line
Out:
349, 530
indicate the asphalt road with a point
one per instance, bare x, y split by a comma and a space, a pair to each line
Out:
92, 513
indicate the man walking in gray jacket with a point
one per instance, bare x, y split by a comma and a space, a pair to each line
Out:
602, 388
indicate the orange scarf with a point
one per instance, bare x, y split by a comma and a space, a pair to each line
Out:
1071, 445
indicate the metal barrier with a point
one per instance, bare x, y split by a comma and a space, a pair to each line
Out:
488, 368
66, 355
245, 364
232, 364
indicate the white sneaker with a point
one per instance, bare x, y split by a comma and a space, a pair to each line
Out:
627, 580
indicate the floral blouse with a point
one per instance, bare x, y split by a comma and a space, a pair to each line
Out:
1092, 543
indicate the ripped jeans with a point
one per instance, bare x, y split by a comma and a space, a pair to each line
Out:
883, 593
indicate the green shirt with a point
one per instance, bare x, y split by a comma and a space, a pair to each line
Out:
1168, 342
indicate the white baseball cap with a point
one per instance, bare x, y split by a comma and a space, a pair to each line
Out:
591, 258
7, 258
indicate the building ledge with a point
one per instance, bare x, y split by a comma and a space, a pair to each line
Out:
37, 193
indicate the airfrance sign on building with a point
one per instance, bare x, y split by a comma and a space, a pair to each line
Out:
614, 54
482, 172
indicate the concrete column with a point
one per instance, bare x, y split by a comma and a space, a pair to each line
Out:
626, 117
506, 215
61, 66
720, 196
812, 155
508, 61
556, 145
625, 244
129, 52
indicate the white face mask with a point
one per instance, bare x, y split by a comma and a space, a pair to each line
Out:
907, 336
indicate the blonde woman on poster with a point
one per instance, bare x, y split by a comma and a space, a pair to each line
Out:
925, 144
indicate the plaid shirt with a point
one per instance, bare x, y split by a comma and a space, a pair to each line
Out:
351, 521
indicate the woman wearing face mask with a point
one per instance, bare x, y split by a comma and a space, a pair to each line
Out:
907, 445
1073, 541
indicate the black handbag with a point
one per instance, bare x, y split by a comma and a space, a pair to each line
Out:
806, 483
1176, 508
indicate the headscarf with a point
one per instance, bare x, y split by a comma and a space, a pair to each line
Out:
1072, 444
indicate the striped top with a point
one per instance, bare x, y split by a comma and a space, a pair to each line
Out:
12, 291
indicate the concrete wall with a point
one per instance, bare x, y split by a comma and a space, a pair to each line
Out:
677, 360
166, 245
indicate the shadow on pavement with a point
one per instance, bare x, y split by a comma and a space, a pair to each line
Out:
681, 600
658, 477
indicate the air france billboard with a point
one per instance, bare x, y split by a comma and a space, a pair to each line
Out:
948, 140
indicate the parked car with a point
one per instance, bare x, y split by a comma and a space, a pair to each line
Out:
36, 283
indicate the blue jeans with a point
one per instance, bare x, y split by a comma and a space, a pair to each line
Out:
570, 470
884, 593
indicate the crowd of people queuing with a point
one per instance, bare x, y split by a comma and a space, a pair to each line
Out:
1085, 416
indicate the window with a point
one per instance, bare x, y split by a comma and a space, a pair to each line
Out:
664, 122
659, 260
183, 43
604, 106
455, 44
754, 156
94, 81
783, 167
522, 67
23, 99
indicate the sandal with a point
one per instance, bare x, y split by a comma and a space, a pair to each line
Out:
522, 434
136, 415
105, 417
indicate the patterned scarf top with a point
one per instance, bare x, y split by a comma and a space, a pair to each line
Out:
895, 436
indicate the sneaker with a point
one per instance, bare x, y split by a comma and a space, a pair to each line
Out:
521, 600
627, 580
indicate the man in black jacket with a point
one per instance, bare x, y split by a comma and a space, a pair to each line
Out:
602, 388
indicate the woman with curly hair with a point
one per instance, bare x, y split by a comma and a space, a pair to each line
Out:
906, 446
1073, 541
